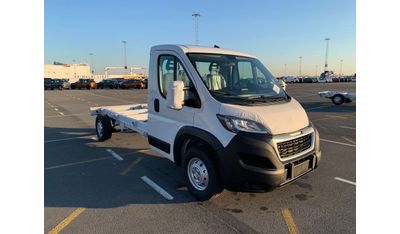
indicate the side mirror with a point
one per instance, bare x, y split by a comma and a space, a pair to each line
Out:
176, 95
283, 84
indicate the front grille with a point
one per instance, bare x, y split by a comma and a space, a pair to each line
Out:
294, 146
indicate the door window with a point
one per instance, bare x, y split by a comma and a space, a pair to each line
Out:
171, 69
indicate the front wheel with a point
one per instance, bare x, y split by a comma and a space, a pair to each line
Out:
201, 174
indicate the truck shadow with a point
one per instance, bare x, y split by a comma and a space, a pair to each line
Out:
82, 173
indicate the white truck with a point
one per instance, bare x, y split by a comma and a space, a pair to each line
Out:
221, 116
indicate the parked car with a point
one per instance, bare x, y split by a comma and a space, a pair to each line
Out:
335, 79
47, 83
315, 80
132, 83
60, 84
107, 84
118, 81
146, 83
84, 83
289, 79
308, 80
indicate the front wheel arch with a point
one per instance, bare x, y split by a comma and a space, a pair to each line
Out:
188, 135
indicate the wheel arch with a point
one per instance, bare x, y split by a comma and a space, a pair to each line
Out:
188, 136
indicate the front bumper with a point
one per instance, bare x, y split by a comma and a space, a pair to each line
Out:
251, 160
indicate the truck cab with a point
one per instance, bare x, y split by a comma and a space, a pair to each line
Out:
225, 119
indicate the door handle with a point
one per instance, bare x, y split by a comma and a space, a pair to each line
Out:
156, 105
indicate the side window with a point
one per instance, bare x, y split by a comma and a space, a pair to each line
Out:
171, 69
181, 75
165, 72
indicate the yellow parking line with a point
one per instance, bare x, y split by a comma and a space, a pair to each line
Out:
131, 166
77, 163
349, 140
66, 221
287, 216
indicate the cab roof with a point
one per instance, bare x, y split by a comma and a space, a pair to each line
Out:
199, 49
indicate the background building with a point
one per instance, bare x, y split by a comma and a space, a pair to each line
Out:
73, 72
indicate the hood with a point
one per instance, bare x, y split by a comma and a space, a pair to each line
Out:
278, 118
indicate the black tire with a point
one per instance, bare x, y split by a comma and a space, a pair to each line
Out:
213, 186
103, 128
60, 88
338, 99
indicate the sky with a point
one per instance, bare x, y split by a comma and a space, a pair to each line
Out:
277, 32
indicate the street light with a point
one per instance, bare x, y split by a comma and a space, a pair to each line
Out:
300, 58
74, 62
326, 53
126, 66
196, 16
91, 60
341, 64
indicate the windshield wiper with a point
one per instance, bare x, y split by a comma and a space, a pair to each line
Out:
224, 93
267, 98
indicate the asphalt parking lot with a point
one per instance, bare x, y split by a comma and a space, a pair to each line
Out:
97, 187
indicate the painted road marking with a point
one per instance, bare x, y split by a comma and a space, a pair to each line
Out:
349, 140
129, 168
61, 113
348, 127
314, 108
55, 109
345, 181
287, 216
115, 155
156, 187
68, 139
53, 116
336, 142
77, 163
66, 221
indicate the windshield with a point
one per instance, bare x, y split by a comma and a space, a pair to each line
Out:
236, 77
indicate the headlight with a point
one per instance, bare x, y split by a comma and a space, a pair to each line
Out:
235, 124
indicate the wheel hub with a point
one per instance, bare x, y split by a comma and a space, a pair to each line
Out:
198, 174
99, 128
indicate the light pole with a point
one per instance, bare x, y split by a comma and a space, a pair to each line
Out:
91, 61
326, 53
285, 69
196, 26
126, 65
74, 62
341, 64
300, 58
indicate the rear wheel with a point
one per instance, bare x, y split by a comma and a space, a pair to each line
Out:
201, 174
103, 128
338, 99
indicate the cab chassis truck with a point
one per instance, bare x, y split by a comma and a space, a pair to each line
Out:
221, 116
